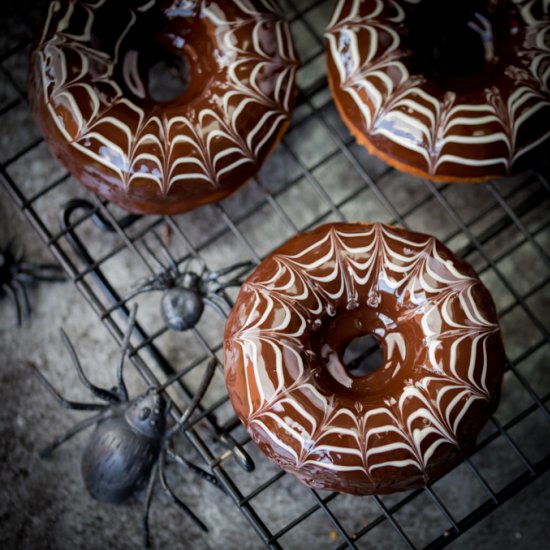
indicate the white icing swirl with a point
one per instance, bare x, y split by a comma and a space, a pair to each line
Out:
200, 146
395, 104
268, 352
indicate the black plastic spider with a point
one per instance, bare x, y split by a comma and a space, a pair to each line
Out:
15, 274
128, 448
186, 292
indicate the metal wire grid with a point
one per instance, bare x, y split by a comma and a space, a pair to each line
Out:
317, 175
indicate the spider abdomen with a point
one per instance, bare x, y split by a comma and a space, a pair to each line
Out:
117, 460
181, 308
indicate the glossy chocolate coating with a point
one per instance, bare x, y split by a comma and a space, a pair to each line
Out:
456, 90
89, 94
395, 428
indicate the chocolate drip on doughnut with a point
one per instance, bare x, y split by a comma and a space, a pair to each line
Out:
141, 147
396, 427
454, 90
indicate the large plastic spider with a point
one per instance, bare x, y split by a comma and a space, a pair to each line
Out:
186, 292
129, 446
16, 274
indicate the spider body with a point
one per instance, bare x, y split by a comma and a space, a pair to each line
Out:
131, 439
123, 449
186, 292
16, 274
181, 308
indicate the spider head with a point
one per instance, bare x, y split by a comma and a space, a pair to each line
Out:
190, 280
147, 414
166, 279
181, 308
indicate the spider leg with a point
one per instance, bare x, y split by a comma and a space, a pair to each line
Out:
216, 305
19, 287
188, 262
101, 393
213, 285
237, 281
180, 504
77, 428
204, 267
193, 467
186, 415
147, 284
9, 245
18, 255
42, 272
66, 403
243, 267
13, 296
241, 456
147, 505
122, 390
167, 254
24, 277
153, 255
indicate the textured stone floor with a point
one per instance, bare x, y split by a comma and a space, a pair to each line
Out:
43, 503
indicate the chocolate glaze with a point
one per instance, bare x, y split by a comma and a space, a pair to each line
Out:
89, 94
456, 90
397, 427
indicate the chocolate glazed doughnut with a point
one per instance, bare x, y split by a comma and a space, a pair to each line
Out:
451, 91
90, 95
398, 427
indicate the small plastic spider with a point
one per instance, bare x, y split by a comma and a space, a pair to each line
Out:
128, 448
186, 292
16, 274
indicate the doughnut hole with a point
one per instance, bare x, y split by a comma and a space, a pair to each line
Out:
167, 79
363, 355
459, 44
162, 63
382, 331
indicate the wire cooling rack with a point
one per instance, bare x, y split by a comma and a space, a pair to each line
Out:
316, 175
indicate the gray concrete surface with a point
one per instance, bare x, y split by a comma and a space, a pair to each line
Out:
43, 503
